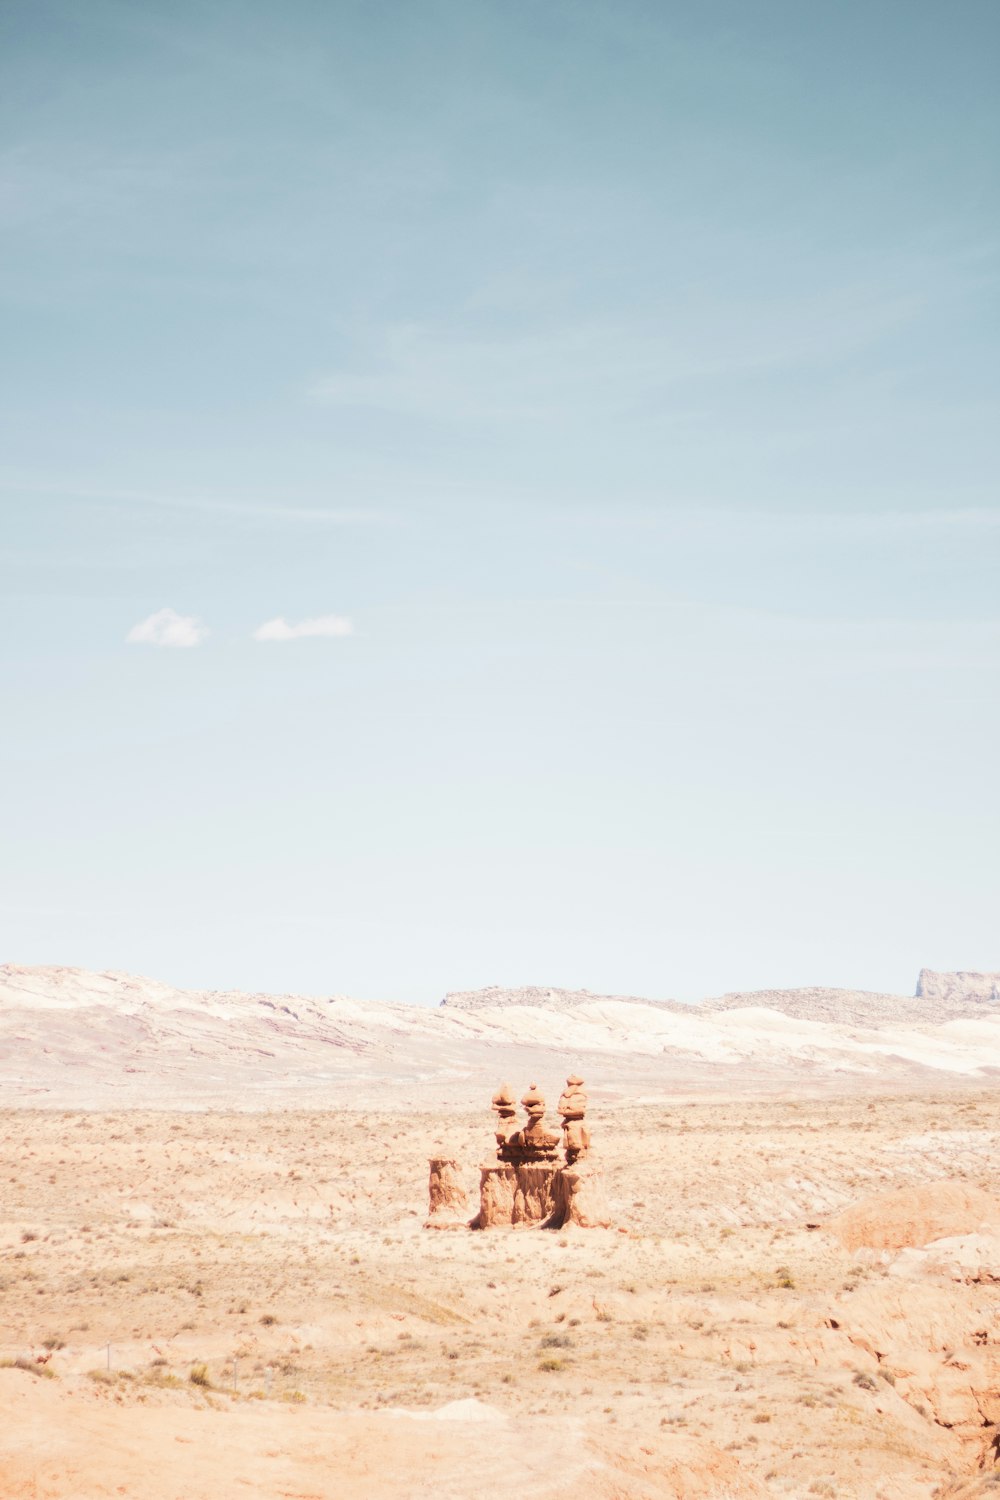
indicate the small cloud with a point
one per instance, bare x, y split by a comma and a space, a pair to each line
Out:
280, 630
168, 628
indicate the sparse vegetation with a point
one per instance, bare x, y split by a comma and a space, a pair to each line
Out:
412, 1321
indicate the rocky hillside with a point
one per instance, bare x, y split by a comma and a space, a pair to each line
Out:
70, 1038
544, 997
865, 1007
939, 997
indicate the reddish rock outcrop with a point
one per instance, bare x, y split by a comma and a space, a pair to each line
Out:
449, 1202
517, 1188
535, 1143
916, 1215
527, 1185
519, 1193
572, 1107
939, 1344
578, 1198
503, 1103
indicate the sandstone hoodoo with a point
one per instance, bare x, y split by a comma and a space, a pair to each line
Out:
503, 1104
528, 1185
572, 1107
449, 1202
535, 1143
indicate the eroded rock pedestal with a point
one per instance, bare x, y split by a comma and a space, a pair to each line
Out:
449, 1202
515, 1193
578, 1198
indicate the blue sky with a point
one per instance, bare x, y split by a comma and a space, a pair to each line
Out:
617, 386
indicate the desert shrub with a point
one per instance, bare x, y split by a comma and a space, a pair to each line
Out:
199, 1376
31, 1366
551, 1365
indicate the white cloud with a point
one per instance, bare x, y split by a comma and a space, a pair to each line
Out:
167, 628
280, 630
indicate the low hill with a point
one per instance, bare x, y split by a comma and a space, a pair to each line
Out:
71, 1038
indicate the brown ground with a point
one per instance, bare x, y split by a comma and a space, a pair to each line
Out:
712, 1346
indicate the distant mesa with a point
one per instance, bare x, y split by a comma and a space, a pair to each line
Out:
939, 997
961, 985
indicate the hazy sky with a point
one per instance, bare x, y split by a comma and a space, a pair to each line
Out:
596, 403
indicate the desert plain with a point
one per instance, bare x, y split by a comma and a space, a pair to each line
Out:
799, 1294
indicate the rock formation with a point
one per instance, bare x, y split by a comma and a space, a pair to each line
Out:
915, 1215
535, 1143
517, 1187
503, 1103
961, 985
528, 1184
449, 1202
578, 1198
572, 1107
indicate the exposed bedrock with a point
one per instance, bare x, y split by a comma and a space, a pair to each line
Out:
449, 1202
515, 1193
540, 1195
578, 1198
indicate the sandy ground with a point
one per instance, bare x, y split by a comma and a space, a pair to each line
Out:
710, 1345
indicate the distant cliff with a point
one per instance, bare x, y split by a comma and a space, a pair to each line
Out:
962, 985
939, 998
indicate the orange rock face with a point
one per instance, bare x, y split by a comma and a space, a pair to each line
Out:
572, 1107
449, 1202
527, 1185
916, 1215
535, 1142
503, 1103
578, 1198
516, 1193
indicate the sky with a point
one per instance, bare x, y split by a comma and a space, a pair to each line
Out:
500, 493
